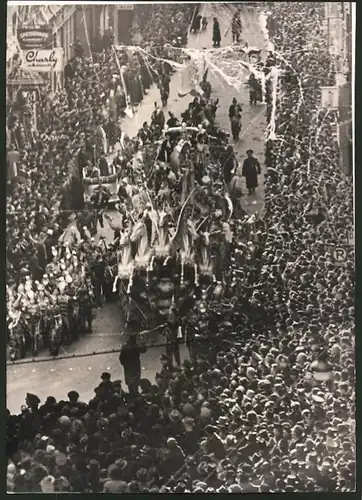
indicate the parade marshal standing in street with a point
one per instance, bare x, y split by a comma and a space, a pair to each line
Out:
251, 170
131, 361
216, 35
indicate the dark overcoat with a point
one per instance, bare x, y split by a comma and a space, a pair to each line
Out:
216, 35
251, 169
131, 361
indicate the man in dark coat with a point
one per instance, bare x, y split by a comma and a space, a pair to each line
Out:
99, 199
130, 360
172, 121
41, 251
36, 270
103, 166
164, 86
236, 27
216, 35
145, 133
98, 269
251, 169
165, 149
196, 23
172, 344
235, 111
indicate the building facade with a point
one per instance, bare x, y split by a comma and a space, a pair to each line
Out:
338, 24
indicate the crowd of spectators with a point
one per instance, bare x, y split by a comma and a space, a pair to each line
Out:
153, 26
273, 413
45, 164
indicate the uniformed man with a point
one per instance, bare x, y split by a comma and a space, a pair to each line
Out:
158, 118
236, 27
99, 199
98, 269
171, 332
63, 305
145, 133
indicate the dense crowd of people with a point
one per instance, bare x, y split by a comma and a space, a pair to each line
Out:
153, 25
70, 125
268, 404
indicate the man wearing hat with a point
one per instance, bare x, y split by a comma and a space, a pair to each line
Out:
171, 335
106, 386
235, 111
32, 401
251, 170
130, 360
85, 309
100, 199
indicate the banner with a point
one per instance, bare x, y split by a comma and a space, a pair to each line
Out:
42, 60
34, 38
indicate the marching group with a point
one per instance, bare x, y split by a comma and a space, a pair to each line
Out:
268, 406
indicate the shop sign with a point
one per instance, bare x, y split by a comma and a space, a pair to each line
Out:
34, 38
43, 60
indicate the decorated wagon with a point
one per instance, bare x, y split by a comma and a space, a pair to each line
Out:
166, 257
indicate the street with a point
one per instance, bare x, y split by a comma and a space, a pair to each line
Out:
57, 377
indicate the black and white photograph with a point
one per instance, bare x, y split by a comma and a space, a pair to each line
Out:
180, 247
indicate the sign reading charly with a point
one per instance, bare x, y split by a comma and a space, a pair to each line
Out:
43, 60
34, 38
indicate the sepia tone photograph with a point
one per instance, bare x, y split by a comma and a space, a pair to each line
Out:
180, 247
